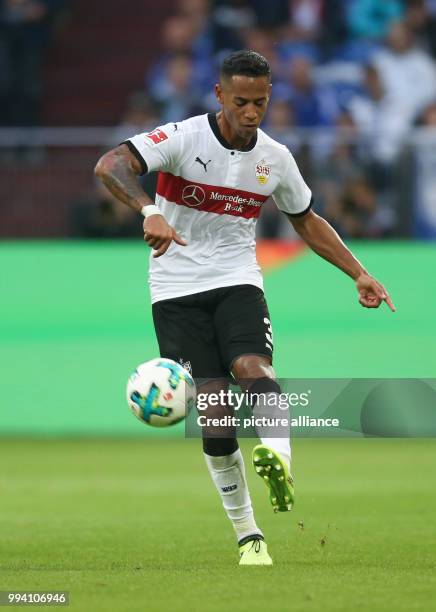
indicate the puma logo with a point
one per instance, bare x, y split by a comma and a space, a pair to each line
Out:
197, 159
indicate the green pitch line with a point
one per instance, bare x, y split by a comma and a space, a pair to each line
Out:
136, 525
75, 319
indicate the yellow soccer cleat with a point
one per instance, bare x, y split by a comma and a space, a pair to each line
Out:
270, 466
254, 552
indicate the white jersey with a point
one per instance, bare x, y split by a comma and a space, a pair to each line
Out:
212, 195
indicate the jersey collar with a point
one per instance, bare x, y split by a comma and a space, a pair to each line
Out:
217, 133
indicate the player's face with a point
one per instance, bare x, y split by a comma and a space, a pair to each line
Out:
244, 101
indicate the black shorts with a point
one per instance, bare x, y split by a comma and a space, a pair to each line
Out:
207, 331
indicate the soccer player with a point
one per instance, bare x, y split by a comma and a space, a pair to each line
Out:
209, 310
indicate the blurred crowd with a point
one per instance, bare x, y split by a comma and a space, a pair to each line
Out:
26, 28
364, 67
351, 78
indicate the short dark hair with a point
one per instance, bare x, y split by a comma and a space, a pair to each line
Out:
245, 63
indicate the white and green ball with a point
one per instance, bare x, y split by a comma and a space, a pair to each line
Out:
160, 392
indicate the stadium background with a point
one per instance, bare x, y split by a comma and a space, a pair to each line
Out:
91, 500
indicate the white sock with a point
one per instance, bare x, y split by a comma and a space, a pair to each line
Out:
281, 446
228, 474
271, 408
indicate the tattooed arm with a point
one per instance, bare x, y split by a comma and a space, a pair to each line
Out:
119, 170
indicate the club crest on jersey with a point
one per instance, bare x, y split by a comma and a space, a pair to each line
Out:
263, 170
157, 136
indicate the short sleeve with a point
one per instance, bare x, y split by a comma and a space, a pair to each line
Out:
292, 195
156, 150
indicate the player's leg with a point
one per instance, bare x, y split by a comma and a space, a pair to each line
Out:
226, 466
244, 329
256, 375
185, 333
271, 458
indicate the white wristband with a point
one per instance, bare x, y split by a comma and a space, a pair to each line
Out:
150, 209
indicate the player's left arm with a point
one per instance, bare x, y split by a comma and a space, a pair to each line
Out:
323, 239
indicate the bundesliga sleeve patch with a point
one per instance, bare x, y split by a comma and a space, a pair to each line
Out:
157, 136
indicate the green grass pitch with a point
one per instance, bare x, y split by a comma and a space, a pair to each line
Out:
126, 518
136, 525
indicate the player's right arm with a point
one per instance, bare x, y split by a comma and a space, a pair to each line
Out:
119, 170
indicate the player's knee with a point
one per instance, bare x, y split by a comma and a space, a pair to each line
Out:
212, 404
248, 368
211, 399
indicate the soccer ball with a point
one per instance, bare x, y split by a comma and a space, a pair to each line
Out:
160, 392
